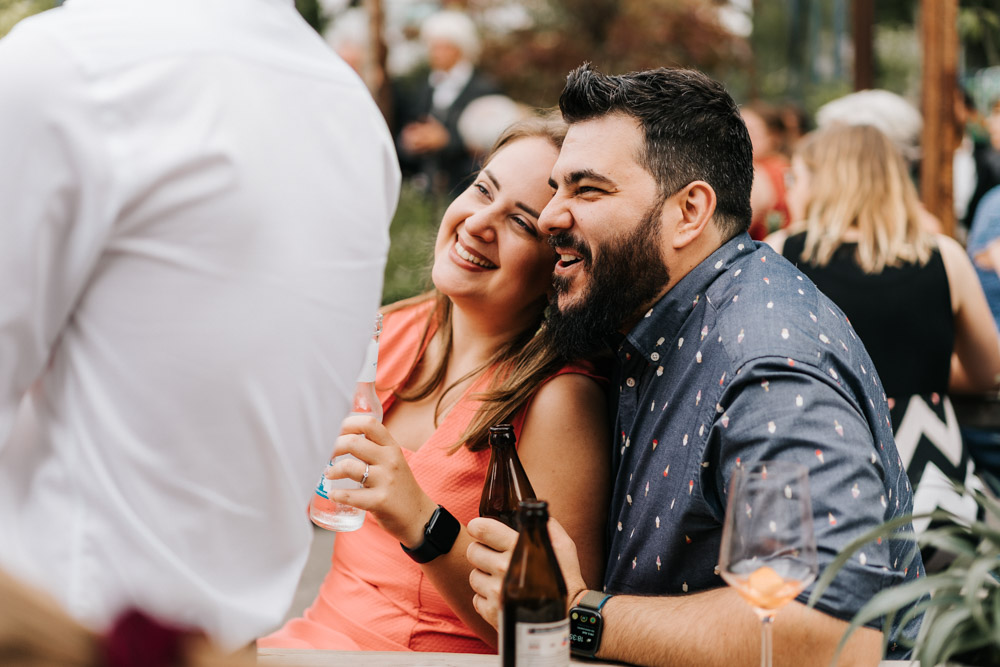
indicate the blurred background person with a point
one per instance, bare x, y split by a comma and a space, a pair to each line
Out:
427, 108
188, 187
770, 168
485, 119
797, 124
911, 296
987, 161
349, 36
968, 123
895, 117
984, 250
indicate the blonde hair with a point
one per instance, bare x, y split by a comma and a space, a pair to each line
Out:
520, 364
858, 181
36, 632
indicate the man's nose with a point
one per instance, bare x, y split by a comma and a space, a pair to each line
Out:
555, 217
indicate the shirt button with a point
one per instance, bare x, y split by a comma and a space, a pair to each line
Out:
655, 356
630, 382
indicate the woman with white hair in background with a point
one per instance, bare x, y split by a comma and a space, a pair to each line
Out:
912, 296
430, 147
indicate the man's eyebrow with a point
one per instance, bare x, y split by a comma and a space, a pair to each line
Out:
521, 205
584, 174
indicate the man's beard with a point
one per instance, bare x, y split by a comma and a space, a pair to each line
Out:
628, 275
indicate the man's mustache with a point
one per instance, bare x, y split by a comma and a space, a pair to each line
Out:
567, 240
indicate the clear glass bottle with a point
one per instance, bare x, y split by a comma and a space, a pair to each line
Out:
506, 482
534, 625
324, 512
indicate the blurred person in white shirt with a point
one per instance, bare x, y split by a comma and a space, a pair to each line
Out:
196, 199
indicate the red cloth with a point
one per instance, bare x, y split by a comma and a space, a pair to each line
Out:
374, 598
139, 640
774, 167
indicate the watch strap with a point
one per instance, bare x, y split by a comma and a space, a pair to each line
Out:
440, 533
594, 600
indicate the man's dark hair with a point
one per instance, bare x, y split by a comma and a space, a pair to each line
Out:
693, 131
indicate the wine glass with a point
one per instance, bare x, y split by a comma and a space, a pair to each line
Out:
768, 551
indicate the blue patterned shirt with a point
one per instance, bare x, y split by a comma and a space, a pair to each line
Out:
746, 360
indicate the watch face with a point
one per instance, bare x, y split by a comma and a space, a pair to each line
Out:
585, 630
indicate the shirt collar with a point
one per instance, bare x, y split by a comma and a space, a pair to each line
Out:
662, 323
457, 75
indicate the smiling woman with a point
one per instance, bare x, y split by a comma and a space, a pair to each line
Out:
454, 362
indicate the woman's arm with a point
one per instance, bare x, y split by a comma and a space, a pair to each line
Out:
565, 450
989, 257
976, 358
564, 446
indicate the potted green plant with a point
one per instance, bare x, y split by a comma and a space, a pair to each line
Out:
960, 603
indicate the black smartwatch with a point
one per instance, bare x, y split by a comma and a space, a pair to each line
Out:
440, 534
586, 623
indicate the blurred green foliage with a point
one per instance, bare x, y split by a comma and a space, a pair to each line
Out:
615, 35
12, 11
413, 231
313, 13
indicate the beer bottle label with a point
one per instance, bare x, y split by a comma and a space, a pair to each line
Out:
542, 644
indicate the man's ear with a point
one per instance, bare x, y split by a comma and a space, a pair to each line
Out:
696, 204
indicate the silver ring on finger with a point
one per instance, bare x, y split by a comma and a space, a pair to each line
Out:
364, 478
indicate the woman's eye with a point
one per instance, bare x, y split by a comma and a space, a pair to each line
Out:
524, 224
482, 189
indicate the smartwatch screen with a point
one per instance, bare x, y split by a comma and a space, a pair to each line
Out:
584, 630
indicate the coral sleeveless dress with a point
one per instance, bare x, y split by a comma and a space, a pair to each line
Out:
374, 598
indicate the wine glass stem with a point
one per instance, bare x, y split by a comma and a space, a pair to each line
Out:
766, 640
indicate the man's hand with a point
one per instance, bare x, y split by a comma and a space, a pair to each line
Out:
490, 557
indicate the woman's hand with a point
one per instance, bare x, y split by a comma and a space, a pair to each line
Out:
390, 491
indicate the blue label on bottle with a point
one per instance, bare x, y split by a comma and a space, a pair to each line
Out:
321, 488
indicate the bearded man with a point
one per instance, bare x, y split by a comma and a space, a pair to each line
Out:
727, 356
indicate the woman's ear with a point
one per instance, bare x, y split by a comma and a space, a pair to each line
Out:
696, 204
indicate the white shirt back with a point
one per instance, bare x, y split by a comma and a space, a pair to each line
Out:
195, 201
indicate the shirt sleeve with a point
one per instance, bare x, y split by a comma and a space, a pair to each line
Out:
792, 412
53, 198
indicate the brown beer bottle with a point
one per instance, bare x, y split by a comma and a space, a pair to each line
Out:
506, 482
534, 626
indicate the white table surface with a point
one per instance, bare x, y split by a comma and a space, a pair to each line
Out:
311, 658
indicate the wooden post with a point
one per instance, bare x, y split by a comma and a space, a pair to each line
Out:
379, 78
863, 20
939, 19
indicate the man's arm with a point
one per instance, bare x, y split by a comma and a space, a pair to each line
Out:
774, 411
52, 190
714, 627
717, 627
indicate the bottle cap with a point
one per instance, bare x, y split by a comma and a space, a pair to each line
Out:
533, 508
502, 434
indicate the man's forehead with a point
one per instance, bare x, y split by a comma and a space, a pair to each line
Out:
611, 142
